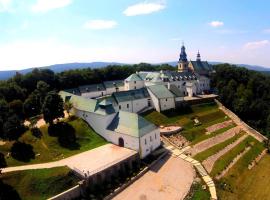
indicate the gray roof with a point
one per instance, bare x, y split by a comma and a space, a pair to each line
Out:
201, 66
92, 88
167, 76
88, 105
131, 124
114, 84
131, 95
134, 77
160, 91
176, 91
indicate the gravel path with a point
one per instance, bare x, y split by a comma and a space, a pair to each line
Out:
218, 126
206, 144
210, 161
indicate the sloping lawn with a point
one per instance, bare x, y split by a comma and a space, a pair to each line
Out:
226, 159
208, 114
213, 150
48, 148
41, 183
245, 184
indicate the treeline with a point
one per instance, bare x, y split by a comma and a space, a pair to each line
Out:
24, 96
245, 92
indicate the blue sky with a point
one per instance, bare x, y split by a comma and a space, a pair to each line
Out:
43, 32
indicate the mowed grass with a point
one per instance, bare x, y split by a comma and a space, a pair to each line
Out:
49, 148
198, 193
226, 159
41, 183
242, 183
213, 134
208, 114
215, 149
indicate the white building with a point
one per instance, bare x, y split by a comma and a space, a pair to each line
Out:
122, 128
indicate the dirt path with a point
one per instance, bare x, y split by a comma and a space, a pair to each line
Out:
206, 144
209, 162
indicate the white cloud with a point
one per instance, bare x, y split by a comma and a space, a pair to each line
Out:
216, 24
143, 8
257, 44
100, 24
176, 39
47, 5
5, 5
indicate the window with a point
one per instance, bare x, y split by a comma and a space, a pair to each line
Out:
134, 82
135, 88
102, 94
166, 99
150, 138
155, 136
145, 142
127, 105
119, 107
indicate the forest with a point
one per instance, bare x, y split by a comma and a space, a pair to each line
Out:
245, 92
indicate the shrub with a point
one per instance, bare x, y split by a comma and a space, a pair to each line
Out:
22, 152
36, 132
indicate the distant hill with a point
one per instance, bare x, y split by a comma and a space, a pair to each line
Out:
58, 68
68, 66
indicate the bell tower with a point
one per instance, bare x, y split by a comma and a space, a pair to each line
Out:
183, 62
198, 57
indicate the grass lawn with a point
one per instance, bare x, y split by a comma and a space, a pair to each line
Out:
41, 183
48, 147
245, 184
208, 114
215, 133
198, 193
213, 150
226, 159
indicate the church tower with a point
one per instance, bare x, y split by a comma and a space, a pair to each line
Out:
183, 62
198, 57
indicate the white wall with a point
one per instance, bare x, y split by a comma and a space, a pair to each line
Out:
132, 85
155, 100
134, 106
167, 104
149, 146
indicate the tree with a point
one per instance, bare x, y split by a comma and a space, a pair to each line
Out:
22, 151
13, 127
32, 105
53, 107
16, 107
42, 90
68, 106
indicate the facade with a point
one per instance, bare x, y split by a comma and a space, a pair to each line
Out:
122, 128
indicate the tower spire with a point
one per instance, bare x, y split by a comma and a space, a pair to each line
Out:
198, 56
183, 62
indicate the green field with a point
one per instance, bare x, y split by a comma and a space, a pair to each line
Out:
198, 193
48, 146
41, 183
208, 114
242, 183
213, 150
226, 159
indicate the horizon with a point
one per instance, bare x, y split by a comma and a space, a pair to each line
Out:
46, 32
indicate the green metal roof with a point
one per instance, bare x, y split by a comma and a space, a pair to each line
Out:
160, 91
176, 91
131, 124
131, 95
84, 104
133, 77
